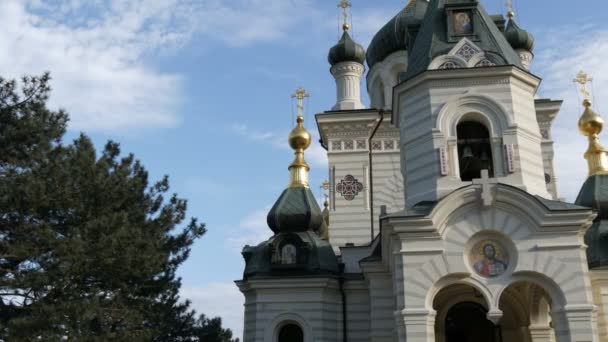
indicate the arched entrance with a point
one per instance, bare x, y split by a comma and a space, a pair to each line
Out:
462, 316
527, 315
291, 333
467, 322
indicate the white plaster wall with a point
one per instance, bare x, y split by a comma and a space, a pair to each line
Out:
383, 77
314, 304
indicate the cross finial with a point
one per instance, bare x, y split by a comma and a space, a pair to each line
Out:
510, 12
486, 187
583, 78
345, 4
300, 95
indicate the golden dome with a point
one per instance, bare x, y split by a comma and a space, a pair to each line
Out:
590, 124
299, 138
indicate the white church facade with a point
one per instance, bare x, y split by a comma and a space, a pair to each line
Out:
443, 221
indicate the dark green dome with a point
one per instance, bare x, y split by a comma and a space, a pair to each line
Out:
296, 210
347, 50
313, 257
519, 38
393, 36
594, 194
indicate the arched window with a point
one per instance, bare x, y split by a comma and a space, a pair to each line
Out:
474, 150
291, 333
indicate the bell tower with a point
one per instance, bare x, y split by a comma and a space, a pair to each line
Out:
469, 109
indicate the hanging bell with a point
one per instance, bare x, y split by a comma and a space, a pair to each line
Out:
484, 156
467, 152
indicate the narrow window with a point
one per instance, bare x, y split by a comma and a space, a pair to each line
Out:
291, 333
474, 150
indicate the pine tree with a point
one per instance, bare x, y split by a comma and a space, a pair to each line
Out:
89, 249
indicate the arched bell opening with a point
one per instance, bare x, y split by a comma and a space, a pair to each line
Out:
474, 150
290, 332
462, 316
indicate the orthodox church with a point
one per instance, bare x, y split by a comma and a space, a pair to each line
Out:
442, 221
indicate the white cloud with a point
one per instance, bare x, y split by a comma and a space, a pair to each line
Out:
244, 22
219, 300
252, 230
561, 56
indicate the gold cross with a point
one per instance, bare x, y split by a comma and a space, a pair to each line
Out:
510, 12
582, 78
325, 185
345, 4
300, 94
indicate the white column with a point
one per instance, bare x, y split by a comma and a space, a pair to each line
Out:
419, 325
542, 333
348, 85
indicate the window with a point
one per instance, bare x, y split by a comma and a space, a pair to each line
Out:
474, 150
291, 333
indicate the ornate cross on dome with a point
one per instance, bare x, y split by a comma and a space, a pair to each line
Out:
582, 78
510, 12
345, 4
300, 95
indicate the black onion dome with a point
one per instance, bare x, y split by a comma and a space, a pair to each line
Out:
594, 194
393, 36
519, 38
347, 50
296, 210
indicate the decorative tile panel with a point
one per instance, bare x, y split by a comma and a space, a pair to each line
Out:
336, 145
349, 187
389, 145
361, 145
349, 145
377, 145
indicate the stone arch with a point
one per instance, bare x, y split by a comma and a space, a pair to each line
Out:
512, 201
477, 107
551, 288
439, 61
272, 330
387, 72
458, 279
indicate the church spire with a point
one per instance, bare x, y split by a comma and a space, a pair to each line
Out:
299, 140
590, 125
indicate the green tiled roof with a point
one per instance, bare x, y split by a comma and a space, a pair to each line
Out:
346, 51
432, 39
594, 194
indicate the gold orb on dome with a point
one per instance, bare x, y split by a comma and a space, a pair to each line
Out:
590, 123
300, 138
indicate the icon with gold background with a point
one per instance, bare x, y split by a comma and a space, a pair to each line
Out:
489, 258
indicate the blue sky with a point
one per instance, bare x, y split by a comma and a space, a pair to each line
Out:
200, 90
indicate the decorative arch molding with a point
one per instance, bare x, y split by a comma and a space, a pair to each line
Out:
465, 54
271, 333
475, 107
387, 72
442, 60
460, 279
525, 207
551, 288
